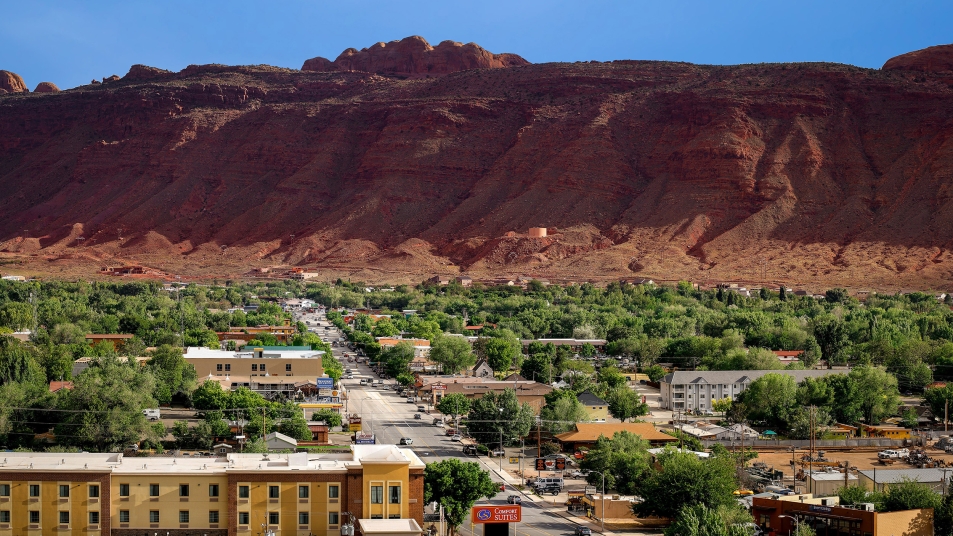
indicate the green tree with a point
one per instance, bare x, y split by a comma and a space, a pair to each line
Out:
453, 354
877, 395
684, 479
721, 405
655, 373
209, 396
700, 520
538, 368
624, 403
611, 377
17, 363
182, 434
296, 427
624, 460
329, 416
457, 486
770, 399
910, 495
454, 405
501, 352
172, 372
397, 358
833, 338
499, 416
563, 414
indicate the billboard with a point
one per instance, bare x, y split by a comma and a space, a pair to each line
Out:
496, 514
325, 383
550, 464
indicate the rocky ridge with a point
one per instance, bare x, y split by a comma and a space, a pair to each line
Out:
809, 174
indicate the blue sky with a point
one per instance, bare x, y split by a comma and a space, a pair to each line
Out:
72, 42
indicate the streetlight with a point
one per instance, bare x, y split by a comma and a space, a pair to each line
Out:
797, 523
602, 518
502, 452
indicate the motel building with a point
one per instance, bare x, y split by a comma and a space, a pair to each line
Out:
376, 489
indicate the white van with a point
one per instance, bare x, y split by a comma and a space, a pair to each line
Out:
151, 414
548, 482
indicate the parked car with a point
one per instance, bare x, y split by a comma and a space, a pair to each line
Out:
514, 499
421, 408
417, 416
552, 490
349, 377
406, 441
457, 437
363, 382
451, 431
583, 531
498, 453
470, 450
410, 400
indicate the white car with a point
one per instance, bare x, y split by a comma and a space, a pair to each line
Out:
456, 437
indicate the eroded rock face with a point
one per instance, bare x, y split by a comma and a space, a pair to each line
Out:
413, 56
46, 87
12, 83
140, 72
934, 59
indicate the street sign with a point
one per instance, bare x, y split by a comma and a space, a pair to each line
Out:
325, 383
496, 514
514, 459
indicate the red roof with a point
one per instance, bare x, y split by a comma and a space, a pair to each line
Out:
56, 386
788, 353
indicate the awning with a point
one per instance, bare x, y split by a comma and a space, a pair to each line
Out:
389, 527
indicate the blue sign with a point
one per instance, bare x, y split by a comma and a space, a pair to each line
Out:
325, 383
484, 514
365, 441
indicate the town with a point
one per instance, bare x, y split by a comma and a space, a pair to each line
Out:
303, 407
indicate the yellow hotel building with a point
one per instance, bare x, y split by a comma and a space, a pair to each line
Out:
241, 494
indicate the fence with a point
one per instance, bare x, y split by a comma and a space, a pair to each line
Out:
806, 443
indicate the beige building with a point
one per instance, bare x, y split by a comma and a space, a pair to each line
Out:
263, 369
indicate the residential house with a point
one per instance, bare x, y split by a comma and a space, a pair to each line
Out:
279, 441
464, 281
597, 408
786, 357
482, 369
421, 346
737, 432
586, 434
117, 340
574, 344
439, 280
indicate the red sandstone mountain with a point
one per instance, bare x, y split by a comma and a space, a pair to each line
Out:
46, 87
811, 174
414, 56
932, 59
11, 83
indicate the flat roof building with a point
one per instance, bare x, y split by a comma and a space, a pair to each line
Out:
261, 369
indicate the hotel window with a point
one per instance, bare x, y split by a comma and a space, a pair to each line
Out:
213, 516
377, 516
94, 518
4, 516
64, 491
64, 518
242, 492
273, 492
288, 367
303, 492
153, 516
4, 490
124, 516
243, 518
213, 490
254, 367
393, 516
302, 518
377, 494
228, 367
183, 490
218, 367
183, 516
273, 518
94, 492
333, 492
153, 490
34, 516
333, 518
394, 493
123, 490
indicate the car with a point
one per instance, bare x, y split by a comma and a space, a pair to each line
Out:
437, 421
552, 490
451, 431
406, 441
457, 437
582, 531
417, 416
514, 499
498, 453
349, 377
410, 400
470, 450
421, 408
363, 382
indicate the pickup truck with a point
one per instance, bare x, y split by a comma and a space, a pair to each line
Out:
893, 454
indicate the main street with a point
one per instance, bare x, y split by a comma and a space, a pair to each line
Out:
390, 417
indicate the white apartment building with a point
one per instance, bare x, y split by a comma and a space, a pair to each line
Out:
695, 390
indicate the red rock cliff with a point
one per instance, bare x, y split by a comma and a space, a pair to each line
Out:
414, 56
933, 59
816, 174
12, 83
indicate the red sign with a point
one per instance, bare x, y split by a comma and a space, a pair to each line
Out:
496, 514
438, 387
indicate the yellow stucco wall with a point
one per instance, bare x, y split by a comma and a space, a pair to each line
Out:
598, 413
386, 475
905, 523
139, 503
50, 504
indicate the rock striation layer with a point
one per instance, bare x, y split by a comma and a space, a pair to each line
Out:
413, 56
933, 59
811, 174
12, 83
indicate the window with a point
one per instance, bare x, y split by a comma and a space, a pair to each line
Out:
123, 490
393, 516
64, 518
4, 516
213, 516
377, 494
242, 492
332, 518
273, 518
302, 518
34, 516
303, 492
394, 493
153, 490
228, 367
273, 492
287, 367
124, 516
377, 516
218, 367
94, 518
4, 490
333, 492
183, 490
64, 491
183, 516
243, 518
254, 367
153, 516
213, 490
94, 492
